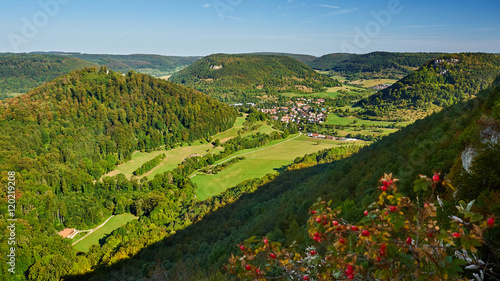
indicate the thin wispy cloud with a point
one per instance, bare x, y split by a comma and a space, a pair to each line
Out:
328, 6
343, 11
426, 26
207, 5
234, 18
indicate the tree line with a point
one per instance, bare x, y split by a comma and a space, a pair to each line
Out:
148, 166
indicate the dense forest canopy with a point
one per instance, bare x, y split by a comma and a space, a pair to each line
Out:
91, 114
232, 77
20, 73
443, 81
351, 64
155, 65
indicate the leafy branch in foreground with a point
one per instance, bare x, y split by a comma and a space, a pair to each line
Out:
396, 240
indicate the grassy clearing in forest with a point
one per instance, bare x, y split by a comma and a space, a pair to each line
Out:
93, 239
259, 163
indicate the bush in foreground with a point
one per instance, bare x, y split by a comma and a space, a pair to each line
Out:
396, 240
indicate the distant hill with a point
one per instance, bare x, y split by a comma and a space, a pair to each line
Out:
154, 65
228, 77
20, 73
300, 57
444, 81
388, 63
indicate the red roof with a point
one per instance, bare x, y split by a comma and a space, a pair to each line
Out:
66, 232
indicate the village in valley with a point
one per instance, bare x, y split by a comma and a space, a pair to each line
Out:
301, 110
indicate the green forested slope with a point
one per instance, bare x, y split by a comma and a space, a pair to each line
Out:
234, 77
155, 65
387, 62
449, 79
278, 209
62, 137
20, 73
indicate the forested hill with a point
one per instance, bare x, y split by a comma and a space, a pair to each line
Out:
386, 62
155, 65
220, 74
60, 138
20, 73
300, 57
279, 209
88, 120
444, 81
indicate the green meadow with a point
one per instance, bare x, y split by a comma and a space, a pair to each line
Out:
258, 163
93, 239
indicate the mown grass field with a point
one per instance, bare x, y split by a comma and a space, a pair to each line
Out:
174, 157
373, 82
331, 92
259, 163
177, 155
93, 239
335, 119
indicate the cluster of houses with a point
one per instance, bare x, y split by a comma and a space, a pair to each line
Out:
452, 61
381, 86
320, 136
298, 111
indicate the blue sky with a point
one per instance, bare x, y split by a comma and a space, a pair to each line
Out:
202, 27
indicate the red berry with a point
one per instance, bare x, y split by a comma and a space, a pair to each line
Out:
316, 234
350, 267
383, 246
248, 267
408, 240
314, 212
378, 259
305, 277
435, 177
392, 208
313, 252
382, 252
265, 241
456, 234
318, 219
348, 271
325, 222
366, 213
350, 276
341, 240
383, 188
354, 228
365, 232
272, 255
242, 248
335, 223
386, 213
491, 221
257, 271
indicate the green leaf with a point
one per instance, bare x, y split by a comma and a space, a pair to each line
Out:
420, 184
470, 205
476, 217
406, 259
448, 259
476, 242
